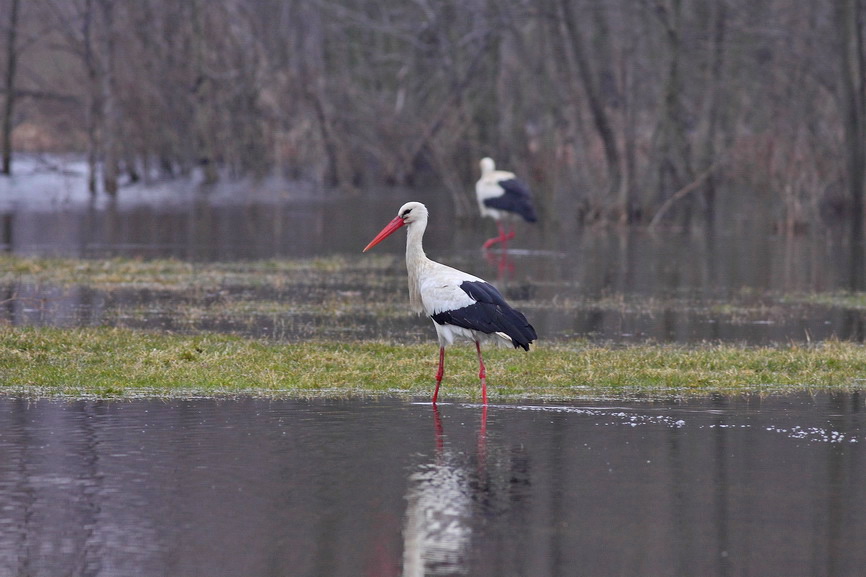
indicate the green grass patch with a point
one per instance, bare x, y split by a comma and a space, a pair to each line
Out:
123, 363
836, 299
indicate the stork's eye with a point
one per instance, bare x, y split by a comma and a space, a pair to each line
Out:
406, 212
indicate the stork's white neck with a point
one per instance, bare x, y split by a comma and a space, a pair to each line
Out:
415, 261
414, 241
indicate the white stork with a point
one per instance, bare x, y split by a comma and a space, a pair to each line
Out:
462, 306
500, 196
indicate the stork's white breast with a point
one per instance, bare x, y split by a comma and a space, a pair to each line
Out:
440, 289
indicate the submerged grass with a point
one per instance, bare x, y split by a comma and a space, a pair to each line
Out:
194, 296
175, 275
123, 363
335, 277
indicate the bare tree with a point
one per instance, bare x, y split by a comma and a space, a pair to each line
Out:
674, 155
93, 99
713, 103
9, 86
594, 97
849, 22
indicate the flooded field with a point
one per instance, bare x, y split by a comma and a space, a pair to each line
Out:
345, 301
721, 486
739, 282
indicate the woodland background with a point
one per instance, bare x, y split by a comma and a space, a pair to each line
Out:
613, 111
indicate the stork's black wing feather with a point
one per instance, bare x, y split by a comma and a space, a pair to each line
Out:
516, 199
489, 314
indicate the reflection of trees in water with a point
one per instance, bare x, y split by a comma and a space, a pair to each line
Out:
7, 220
57, 510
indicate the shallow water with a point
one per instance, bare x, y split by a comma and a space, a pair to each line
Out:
256, 487
614, 284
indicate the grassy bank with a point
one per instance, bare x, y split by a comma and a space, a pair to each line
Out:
113, 362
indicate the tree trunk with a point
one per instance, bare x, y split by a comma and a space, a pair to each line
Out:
110, 112
594, 98
93, 102
628, 192
203, 95
713, 107
339, 170
674, 164
848, 21
9, 101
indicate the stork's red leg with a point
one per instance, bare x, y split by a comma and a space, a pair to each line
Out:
503, 236
439, 373
482, 373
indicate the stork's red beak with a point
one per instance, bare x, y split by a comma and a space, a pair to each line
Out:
386, 232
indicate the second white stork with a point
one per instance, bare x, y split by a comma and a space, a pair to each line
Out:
461, 306
502, 196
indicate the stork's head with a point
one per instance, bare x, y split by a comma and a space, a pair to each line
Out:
408, 213
487, 165
412, 212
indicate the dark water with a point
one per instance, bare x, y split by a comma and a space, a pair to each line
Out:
752, 486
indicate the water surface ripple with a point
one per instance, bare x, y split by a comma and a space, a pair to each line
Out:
742, 486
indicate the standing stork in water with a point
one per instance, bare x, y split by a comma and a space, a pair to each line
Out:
462, 306
500, 196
